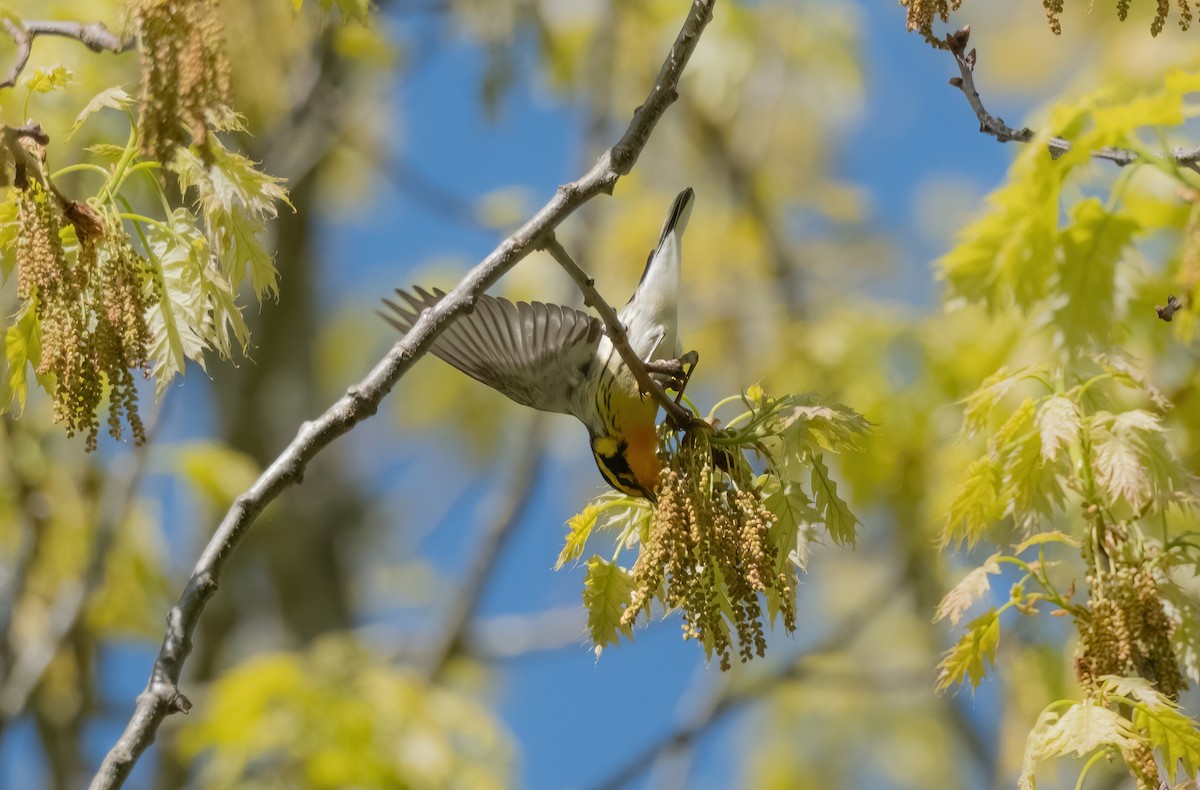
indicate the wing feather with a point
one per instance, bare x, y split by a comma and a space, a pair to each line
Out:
535, 353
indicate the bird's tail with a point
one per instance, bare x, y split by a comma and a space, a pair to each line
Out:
677, 218
651, 315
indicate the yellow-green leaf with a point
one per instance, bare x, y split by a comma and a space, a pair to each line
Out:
1007, 255
1085, 727
1031, 483
607, 590
975, 651
49, 79
22, 349
1058, 425
237, 200
794, 516
1082, 729
579, 528
1131, 460
840, 523
115, 98
1051, 536
340, 715
1173, 734
977, 504
979, 404
813, 427
1086, 284
973, 586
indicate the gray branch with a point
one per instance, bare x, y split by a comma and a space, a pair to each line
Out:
996, 127
162, 696
95, 36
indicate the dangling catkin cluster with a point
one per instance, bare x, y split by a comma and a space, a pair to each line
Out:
91, 312
1127, 631
1054, 9
185, 72
47, 280
1140, 760
922, 13
708, 552
122, 336
41, 260
1164, 8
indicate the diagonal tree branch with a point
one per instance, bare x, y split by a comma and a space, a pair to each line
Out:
95, 36
162, 696
996, 127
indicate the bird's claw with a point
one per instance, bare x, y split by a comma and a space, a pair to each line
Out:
675, 372
672, 369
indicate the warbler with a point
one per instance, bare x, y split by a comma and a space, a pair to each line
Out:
559, 359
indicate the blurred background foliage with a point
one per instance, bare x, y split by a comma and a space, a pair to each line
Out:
395, 622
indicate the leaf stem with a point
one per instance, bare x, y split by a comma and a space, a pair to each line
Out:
1095, 758
81, 166
118, 174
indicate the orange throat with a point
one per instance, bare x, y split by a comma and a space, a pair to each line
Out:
642, 440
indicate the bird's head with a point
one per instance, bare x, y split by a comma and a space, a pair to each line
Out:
629, 462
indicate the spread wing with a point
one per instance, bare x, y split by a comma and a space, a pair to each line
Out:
535, 353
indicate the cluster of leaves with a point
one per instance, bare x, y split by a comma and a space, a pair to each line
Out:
1126, 717
734, 518
1064, 442
339, 716
159, 281
922, 13
1078, 453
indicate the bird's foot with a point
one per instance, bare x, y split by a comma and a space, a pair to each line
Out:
676, 373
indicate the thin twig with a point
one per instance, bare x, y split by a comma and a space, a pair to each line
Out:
680, 416
95, 36
162, 696
996, 127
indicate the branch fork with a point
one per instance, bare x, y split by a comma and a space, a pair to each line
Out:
992, 125
95, 36
680, 416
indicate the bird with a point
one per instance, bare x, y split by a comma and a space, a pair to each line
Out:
556, 358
